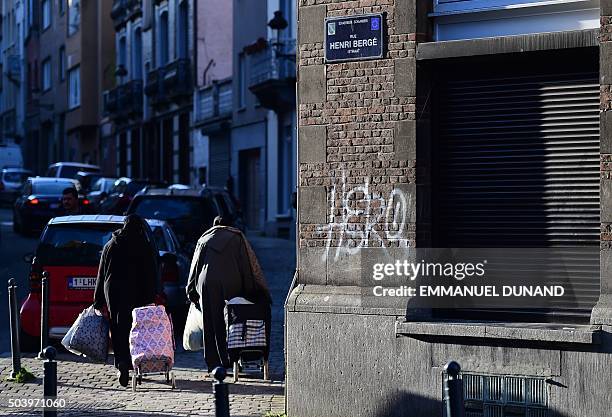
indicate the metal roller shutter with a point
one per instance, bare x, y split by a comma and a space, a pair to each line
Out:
219, 161
517, 165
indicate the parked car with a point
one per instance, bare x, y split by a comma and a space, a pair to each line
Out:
69, 251
122, 193
228, 207
189, 212
39, 201
87, 179
11, 183
98, 191
70, 169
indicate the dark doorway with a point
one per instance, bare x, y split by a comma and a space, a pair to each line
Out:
184, 149
123, 154
167, 150
136, 153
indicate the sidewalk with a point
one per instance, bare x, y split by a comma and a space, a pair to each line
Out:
92, 389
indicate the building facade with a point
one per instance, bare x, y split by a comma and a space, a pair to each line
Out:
262, 168
483, 125
68, 55
12, 104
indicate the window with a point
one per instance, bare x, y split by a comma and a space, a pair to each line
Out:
61, 67
46, 14
74, 16
241, 81
183, 31
122, 53
163, 39
46, 74
137, 55
74, 88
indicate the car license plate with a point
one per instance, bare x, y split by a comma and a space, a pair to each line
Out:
54, 205
82, 283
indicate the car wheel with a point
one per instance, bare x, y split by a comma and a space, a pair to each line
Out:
28, 343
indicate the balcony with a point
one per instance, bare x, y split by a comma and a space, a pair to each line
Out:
171, 83
213, 106
124, 10
124, 102
272, 77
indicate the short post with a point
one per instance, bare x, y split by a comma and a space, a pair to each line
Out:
453, 391
44, 314
50, 382
221, 392
14, 323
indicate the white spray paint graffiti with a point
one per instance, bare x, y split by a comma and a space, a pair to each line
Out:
386, 218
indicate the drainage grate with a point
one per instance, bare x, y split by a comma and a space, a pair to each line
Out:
504, 396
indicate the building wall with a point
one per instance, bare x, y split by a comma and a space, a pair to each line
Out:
357, 142
214, 34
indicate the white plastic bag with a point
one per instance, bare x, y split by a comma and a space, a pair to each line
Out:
193, 336
66, 339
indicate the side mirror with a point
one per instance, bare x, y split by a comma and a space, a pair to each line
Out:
28, 257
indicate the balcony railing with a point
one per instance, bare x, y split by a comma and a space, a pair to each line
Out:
214, 101
275, 62
272, 75
170, 83
124, 101
124, 10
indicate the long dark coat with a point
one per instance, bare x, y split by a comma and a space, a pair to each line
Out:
220, 271
127, 279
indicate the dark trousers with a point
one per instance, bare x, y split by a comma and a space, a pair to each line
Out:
120, 327
215, 339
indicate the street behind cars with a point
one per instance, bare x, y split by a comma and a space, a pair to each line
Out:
70, 249
39, 201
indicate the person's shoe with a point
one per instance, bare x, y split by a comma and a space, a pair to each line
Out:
124, 376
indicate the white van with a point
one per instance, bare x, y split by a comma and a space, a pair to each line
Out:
10, 156
69, 169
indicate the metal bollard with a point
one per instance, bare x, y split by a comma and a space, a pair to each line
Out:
453, 391
50, 382
14, 323
44, 314
221, 392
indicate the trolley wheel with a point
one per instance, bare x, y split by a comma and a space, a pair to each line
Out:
266, 370
173, 380
134, 381
235, 376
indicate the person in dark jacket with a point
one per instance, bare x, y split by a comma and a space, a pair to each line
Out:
127, 279
222, 268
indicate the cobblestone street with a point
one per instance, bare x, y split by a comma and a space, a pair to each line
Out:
92, 389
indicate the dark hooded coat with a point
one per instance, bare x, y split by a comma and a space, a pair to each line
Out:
127, 279
220, 271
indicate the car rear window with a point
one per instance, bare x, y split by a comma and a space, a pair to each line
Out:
160, 240
135, 186
74, 244
51, 187
173, 208
17, 177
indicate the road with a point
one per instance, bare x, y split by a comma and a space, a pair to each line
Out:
12, 249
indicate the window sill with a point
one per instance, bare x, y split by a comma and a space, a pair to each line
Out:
530, 332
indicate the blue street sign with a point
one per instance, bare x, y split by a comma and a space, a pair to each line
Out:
354, 38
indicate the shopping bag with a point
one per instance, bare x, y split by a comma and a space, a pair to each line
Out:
90, 335
68, 336
193, 336
151, 339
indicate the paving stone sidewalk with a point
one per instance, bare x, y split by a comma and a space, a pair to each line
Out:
92, 389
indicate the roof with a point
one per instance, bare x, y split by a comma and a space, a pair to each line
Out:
74, 164
15, 169
53, 179
99, 218
191, 192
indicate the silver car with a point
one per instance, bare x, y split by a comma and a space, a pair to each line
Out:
11, 183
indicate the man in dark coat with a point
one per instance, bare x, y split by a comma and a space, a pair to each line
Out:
220, 271
127, 279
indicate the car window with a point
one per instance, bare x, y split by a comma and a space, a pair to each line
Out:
51, 187
135, 186
160, 239
17, 177
52, 172
68, 171
74, 244
168, 239
97, 185
175, 209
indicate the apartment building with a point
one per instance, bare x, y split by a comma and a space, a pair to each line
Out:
481, 124
12, 105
